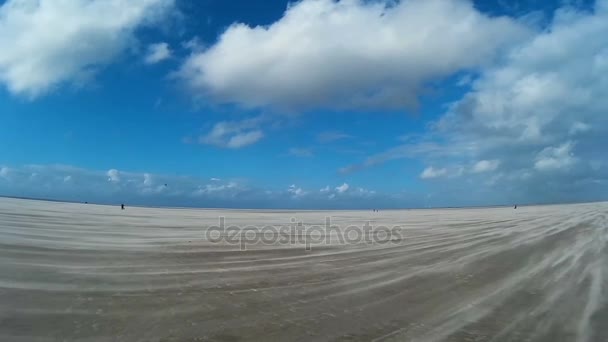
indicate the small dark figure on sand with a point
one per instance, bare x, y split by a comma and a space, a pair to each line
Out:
515, 207
122, 207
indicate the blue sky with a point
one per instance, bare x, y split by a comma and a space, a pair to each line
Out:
310, 104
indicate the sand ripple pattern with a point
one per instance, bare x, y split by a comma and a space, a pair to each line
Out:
71, 272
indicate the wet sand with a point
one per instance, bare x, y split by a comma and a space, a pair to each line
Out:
75, 272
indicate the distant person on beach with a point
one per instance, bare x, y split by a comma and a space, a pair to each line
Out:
515, 207
122, 207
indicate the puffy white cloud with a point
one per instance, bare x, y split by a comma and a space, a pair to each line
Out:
550, 87
486, 166
342, 188
431, 172
92, 186
46, 43
147, 179
113, 176
234, 134
556, 158
296, 191
325, 189
157, 53
527, 111
348, 54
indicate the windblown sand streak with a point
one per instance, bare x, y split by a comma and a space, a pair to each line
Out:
96, 273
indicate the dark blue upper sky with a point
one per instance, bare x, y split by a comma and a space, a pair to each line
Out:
330, 104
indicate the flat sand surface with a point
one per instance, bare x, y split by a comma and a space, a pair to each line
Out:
76, 272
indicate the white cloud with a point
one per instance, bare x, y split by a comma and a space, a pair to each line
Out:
166, 190
147, 179
230, 187
555, 158
47, 43
244, 139
296, 191
234, 134
195, 45
157, 53
548, 89
579, 127
325, 189
485, 166
342, 188
431, 172
348, 54
113, 176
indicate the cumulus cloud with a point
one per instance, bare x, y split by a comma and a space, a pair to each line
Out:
113, 176
234, 134
542, 108
342, 188
92, 186
295, 191
157, 53
431, 172
147, 179
47, 43
347, 54
486, 166
552, 87
555, 158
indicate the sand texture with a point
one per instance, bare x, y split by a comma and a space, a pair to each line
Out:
76, 272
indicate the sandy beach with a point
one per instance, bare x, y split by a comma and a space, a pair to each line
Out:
76, 272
